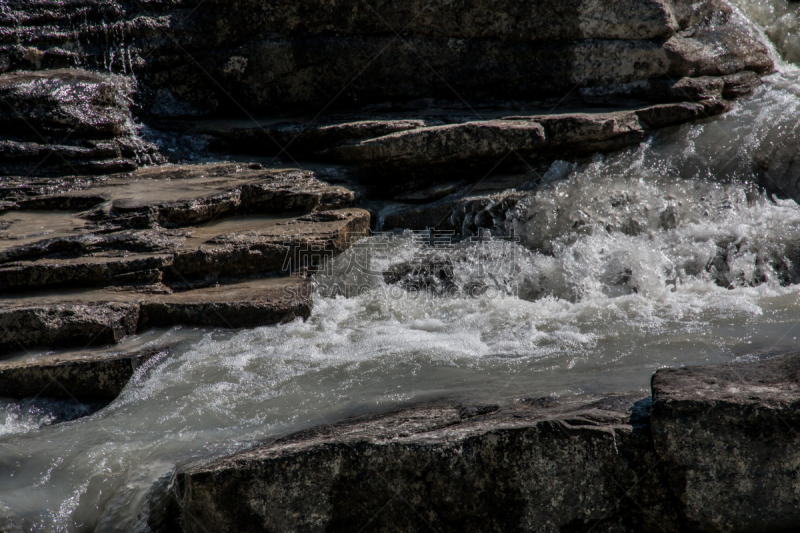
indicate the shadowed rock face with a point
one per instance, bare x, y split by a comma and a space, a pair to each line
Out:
716, 454
287, 58
74, 375
536, 466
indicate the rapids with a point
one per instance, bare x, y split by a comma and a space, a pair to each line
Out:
676, 252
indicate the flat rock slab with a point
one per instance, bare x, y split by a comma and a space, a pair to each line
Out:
83, 318
227, 248
176, 195
399, 151
729, 437
76, 375
536, 466
163, 246
177, 224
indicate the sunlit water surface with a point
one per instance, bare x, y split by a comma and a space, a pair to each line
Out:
664, 255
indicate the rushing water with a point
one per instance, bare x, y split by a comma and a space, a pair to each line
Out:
662, 255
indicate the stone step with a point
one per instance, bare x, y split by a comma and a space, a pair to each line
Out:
203, 222
95, 317
229, 248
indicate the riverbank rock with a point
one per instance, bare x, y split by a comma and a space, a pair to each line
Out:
717, 453
535, 466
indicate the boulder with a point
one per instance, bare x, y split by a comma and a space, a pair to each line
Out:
535, 466
729, 439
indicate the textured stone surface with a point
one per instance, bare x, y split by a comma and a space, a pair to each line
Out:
203, 222
68, 121
536, 466
718, 452
729, 438
96, 317
164, 246
286, 58
73, 375
65, 323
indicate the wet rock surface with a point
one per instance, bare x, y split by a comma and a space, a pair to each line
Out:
431, 115
714, 455
69, 121
74, 375
94, 317
535, 466
728, 436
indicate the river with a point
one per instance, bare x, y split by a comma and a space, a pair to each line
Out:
675, 252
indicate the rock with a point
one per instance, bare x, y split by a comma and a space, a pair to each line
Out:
716, 47
95, 317
728, 437
73, 375
68, 121
581, 464
465, 213
408, 160
98, 247
287, 245
777, 160
290, 59
64, 324
431, 194
291, 139
476, 142
718, 452
164, 246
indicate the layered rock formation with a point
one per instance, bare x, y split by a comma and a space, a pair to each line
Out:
718, 452
74, 375
428, 98
282, 58
159, 247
